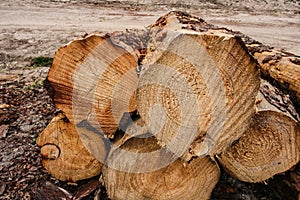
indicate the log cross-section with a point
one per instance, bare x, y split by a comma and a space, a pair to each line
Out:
63, 153
200, 92
178, 180
94, 79
271, 145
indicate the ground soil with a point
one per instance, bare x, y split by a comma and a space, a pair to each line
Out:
29, 29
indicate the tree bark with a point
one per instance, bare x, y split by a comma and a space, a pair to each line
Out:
281, 67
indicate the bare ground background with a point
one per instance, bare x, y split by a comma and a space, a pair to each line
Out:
30, 29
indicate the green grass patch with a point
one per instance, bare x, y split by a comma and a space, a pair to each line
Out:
41, 62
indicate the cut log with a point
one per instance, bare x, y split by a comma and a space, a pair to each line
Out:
94, 79
272, 143
179, 180
197, 90
197, 98
280, 66
275, 64
63, 153
271, 98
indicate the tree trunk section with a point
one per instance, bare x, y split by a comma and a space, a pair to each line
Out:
275, 64
94, 79
63, 153
280, 66
272, 143
178, 180
197, 90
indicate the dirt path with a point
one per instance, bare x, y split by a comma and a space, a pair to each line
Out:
31, 28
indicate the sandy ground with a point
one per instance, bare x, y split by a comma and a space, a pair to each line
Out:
38, 28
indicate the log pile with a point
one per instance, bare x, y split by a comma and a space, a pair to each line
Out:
157, 111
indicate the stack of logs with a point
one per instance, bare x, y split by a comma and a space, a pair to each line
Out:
157, 111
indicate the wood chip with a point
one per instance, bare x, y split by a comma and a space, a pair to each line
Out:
2, 188
3, 131
4, 106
